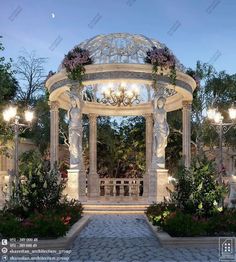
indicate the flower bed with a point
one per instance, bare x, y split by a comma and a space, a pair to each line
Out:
37, 207
196, 204
179, 224
48, 223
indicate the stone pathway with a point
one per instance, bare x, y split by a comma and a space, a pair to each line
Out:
126, 238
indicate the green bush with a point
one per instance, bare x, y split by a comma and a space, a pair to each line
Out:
183, 189
207, 193
195, 205
38, 209
223, 223
157, 212
39, 188
70, 208
197, 190
10, 226
47, 223
178, 224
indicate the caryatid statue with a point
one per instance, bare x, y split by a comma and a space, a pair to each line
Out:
160, 132
75, 131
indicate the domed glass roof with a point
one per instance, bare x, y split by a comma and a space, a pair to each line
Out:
118, 48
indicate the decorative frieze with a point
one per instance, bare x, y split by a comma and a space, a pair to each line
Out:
111, 75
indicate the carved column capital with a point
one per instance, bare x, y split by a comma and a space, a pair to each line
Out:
54, 105
148, 117
187, 104
93, 118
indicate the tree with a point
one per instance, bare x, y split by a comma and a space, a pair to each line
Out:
132, 151
174, 145
40, 132
213, 87
9, 87
202, 73
8, 83
31, 75
221, 89
39, 188
121, 147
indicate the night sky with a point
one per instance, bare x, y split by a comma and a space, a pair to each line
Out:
192, 29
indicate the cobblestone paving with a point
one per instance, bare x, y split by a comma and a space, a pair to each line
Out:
127, 238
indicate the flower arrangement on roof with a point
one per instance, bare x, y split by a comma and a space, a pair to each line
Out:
161, 59
74, 63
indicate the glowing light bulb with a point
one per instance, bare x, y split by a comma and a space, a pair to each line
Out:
29, 115
232, 112
9, 113
218, 117
211, 113
129, 94
135, 89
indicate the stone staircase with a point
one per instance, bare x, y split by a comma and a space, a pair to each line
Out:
114, 208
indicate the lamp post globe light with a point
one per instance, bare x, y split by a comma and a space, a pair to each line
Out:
217, 120
13, 119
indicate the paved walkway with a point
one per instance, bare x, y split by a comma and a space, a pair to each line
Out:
127, 238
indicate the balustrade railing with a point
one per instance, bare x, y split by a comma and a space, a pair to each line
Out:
123, 187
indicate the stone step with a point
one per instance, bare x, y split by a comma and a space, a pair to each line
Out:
116, 208
107, 212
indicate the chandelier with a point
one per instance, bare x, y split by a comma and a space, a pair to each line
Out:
121, 95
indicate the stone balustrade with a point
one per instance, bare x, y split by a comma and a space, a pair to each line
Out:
121, 187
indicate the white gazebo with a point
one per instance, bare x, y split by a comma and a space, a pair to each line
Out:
119, 58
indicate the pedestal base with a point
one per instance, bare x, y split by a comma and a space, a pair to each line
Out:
146, 185
93, 185
232, 195
158, 182
76, 185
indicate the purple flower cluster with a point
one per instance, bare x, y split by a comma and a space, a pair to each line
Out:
76, 58
160, 57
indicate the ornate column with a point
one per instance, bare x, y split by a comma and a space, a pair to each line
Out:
149, 130
76, 184
54, 132
93, 181
158, 175
186, 138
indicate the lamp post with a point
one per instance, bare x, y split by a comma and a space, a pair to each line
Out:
12, 118
221, 127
